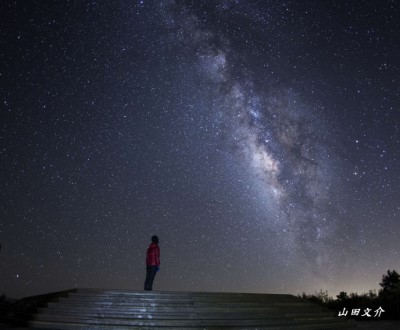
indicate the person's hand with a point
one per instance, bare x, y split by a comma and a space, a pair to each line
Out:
158, 268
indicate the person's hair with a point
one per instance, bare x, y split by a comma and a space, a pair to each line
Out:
154, 239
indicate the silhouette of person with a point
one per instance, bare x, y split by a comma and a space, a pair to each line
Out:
152, 263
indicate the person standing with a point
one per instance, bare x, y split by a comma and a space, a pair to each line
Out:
152, 263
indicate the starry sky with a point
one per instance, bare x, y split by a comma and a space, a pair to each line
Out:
258, 139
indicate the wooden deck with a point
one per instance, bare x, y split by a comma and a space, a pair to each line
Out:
119, 309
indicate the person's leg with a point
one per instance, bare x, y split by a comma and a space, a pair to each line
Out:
147, 285
153, 270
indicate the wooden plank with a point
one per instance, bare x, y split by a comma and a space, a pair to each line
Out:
203, 309
186, 299
147, 294
69, 326
188, 315
178, 322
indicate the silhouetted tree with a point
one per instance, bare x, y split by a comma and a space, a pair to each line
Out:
342, 296
390, 281
388, 298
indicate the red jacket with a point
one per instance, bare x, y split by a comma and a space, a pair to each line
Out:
153, 255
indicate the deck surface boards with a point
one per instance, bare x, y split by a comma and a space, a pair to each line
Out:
120, 309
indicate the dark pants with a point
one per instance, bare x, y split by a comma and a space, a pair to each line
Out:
150, 274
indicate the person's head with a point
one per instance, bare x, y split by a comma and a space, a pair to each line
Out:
154, 239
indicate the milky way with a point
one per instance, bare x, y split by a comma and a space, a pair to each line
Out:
274, 135
258, 139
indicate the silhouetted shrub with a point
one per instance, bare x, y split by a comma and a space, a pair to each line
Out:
388, 299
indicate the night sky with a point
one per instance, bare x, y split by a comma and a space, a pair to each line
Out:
258, 139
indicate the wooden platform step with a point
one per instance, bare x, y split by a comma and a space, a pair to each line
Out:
120, 309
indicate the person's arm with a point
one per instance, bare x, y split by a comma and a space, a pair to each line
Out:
158, 256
